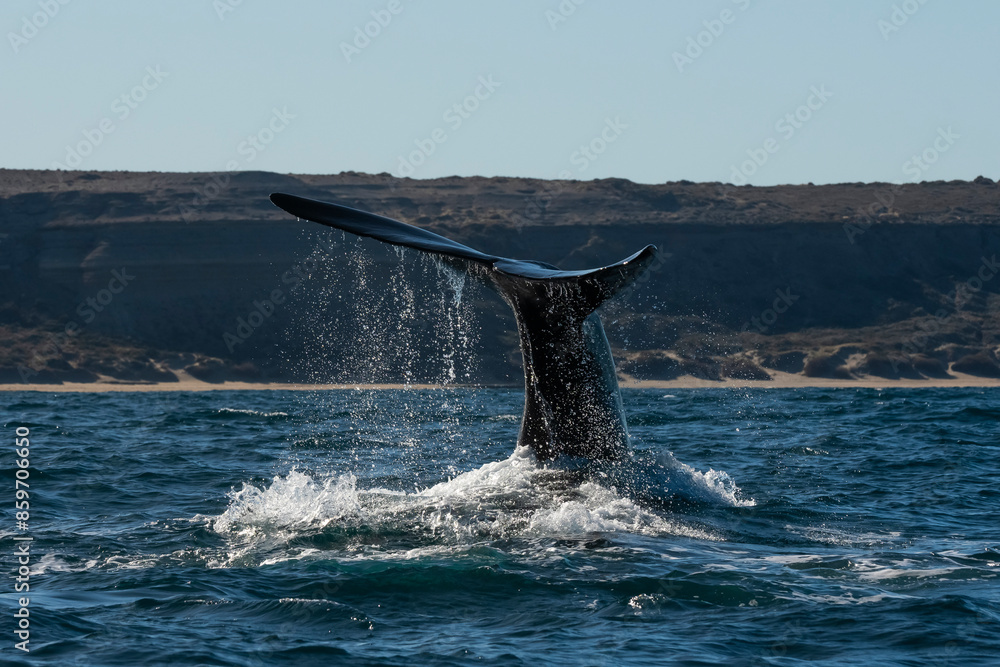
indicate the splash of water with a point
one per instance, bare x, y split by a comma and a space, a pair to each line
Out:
512, 499
294, 501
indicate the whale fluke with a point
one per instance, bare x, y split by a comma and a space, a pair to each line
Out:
572, 403
375, 226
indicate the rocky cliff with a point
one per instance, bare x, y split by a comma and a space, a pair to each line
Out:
143, 276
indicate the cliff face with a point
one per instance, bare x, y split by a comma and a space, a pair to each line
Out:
139, 275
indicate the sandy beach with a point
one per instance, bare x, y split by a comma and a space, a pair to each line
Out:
779, 381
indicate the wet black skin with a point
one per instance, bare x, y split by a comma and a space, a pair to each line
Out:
572, 404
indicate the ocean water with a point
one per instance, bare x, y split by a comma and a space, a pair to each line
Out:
764, 527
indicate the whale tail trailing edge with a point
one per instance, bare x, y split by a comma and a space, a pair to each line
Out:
572, 402
595, 286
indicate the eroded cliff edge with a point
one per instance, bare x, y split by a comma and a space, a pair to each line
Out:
148, 277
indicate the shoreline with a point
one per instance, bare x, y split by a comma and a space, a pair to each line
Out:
779, 381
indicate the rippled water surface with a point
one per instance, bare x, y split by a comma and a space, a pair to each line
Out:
402, 528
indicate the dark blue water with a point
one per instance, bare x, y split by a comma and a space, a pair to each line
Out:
396, 528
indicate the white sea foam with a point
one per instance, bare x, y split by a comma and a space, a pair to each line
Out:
870, 569
296, 500
130, 563
52, 563
847, 598
713, 487
892, 573
843, 538
512, 498
601, 510
257, 413
792, 559
498, 478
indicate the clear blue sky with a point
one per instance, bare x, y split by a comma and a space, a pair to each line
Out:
609, 68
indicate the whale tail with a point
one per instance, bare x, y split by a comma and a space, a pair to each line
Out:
572, 401
511, 275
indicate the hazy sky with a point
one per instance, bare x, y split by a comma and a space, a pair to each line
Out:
770, 91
